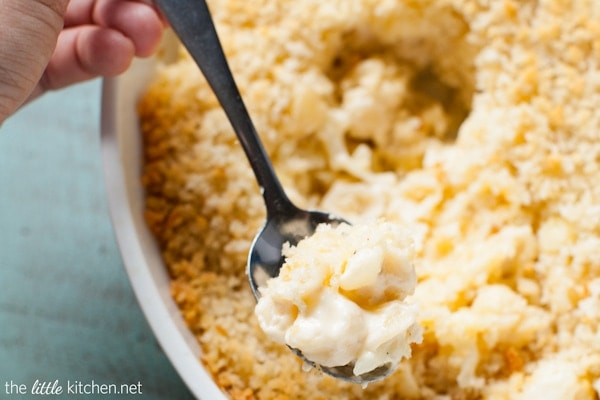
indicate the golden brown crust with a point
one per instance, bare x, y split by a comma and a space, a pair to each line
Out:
475, 123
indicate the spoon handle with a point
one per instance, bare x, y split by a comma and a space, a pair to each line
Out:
192, 22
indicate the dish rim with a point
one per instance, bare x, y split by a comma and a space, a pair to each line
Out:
148, 276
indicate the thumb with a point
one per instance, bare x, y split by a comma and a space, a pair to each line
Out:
28, 33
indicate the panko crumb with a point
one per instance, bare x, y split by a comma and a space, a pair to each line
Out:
473, 123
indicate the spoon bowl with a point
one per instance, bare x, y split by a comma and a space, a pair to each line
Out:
265, 261
192, 22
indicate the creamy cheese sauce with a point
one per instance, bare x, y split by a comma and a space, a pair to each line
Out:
343, 297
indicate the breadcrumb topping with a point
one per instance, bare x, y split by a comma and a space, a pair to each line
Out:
473, 123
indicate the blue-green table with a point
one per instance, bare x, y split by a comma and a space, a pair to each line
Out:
67, 311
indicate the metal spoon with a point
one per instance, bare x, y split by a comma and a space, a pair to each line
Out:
192, 22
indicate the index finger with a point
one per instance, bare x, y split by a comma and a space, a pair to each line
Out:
94, 12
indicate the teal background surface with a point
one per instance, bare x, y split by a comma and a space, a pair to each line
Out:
67, 311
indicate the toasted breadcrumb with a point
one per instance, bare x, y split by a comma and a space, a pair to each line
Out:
474, 123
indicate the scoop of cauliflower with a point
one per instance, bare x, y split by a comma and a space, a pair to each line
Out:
343, 297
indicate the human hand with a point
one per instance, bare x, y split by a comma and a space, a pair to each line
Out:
50, 44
